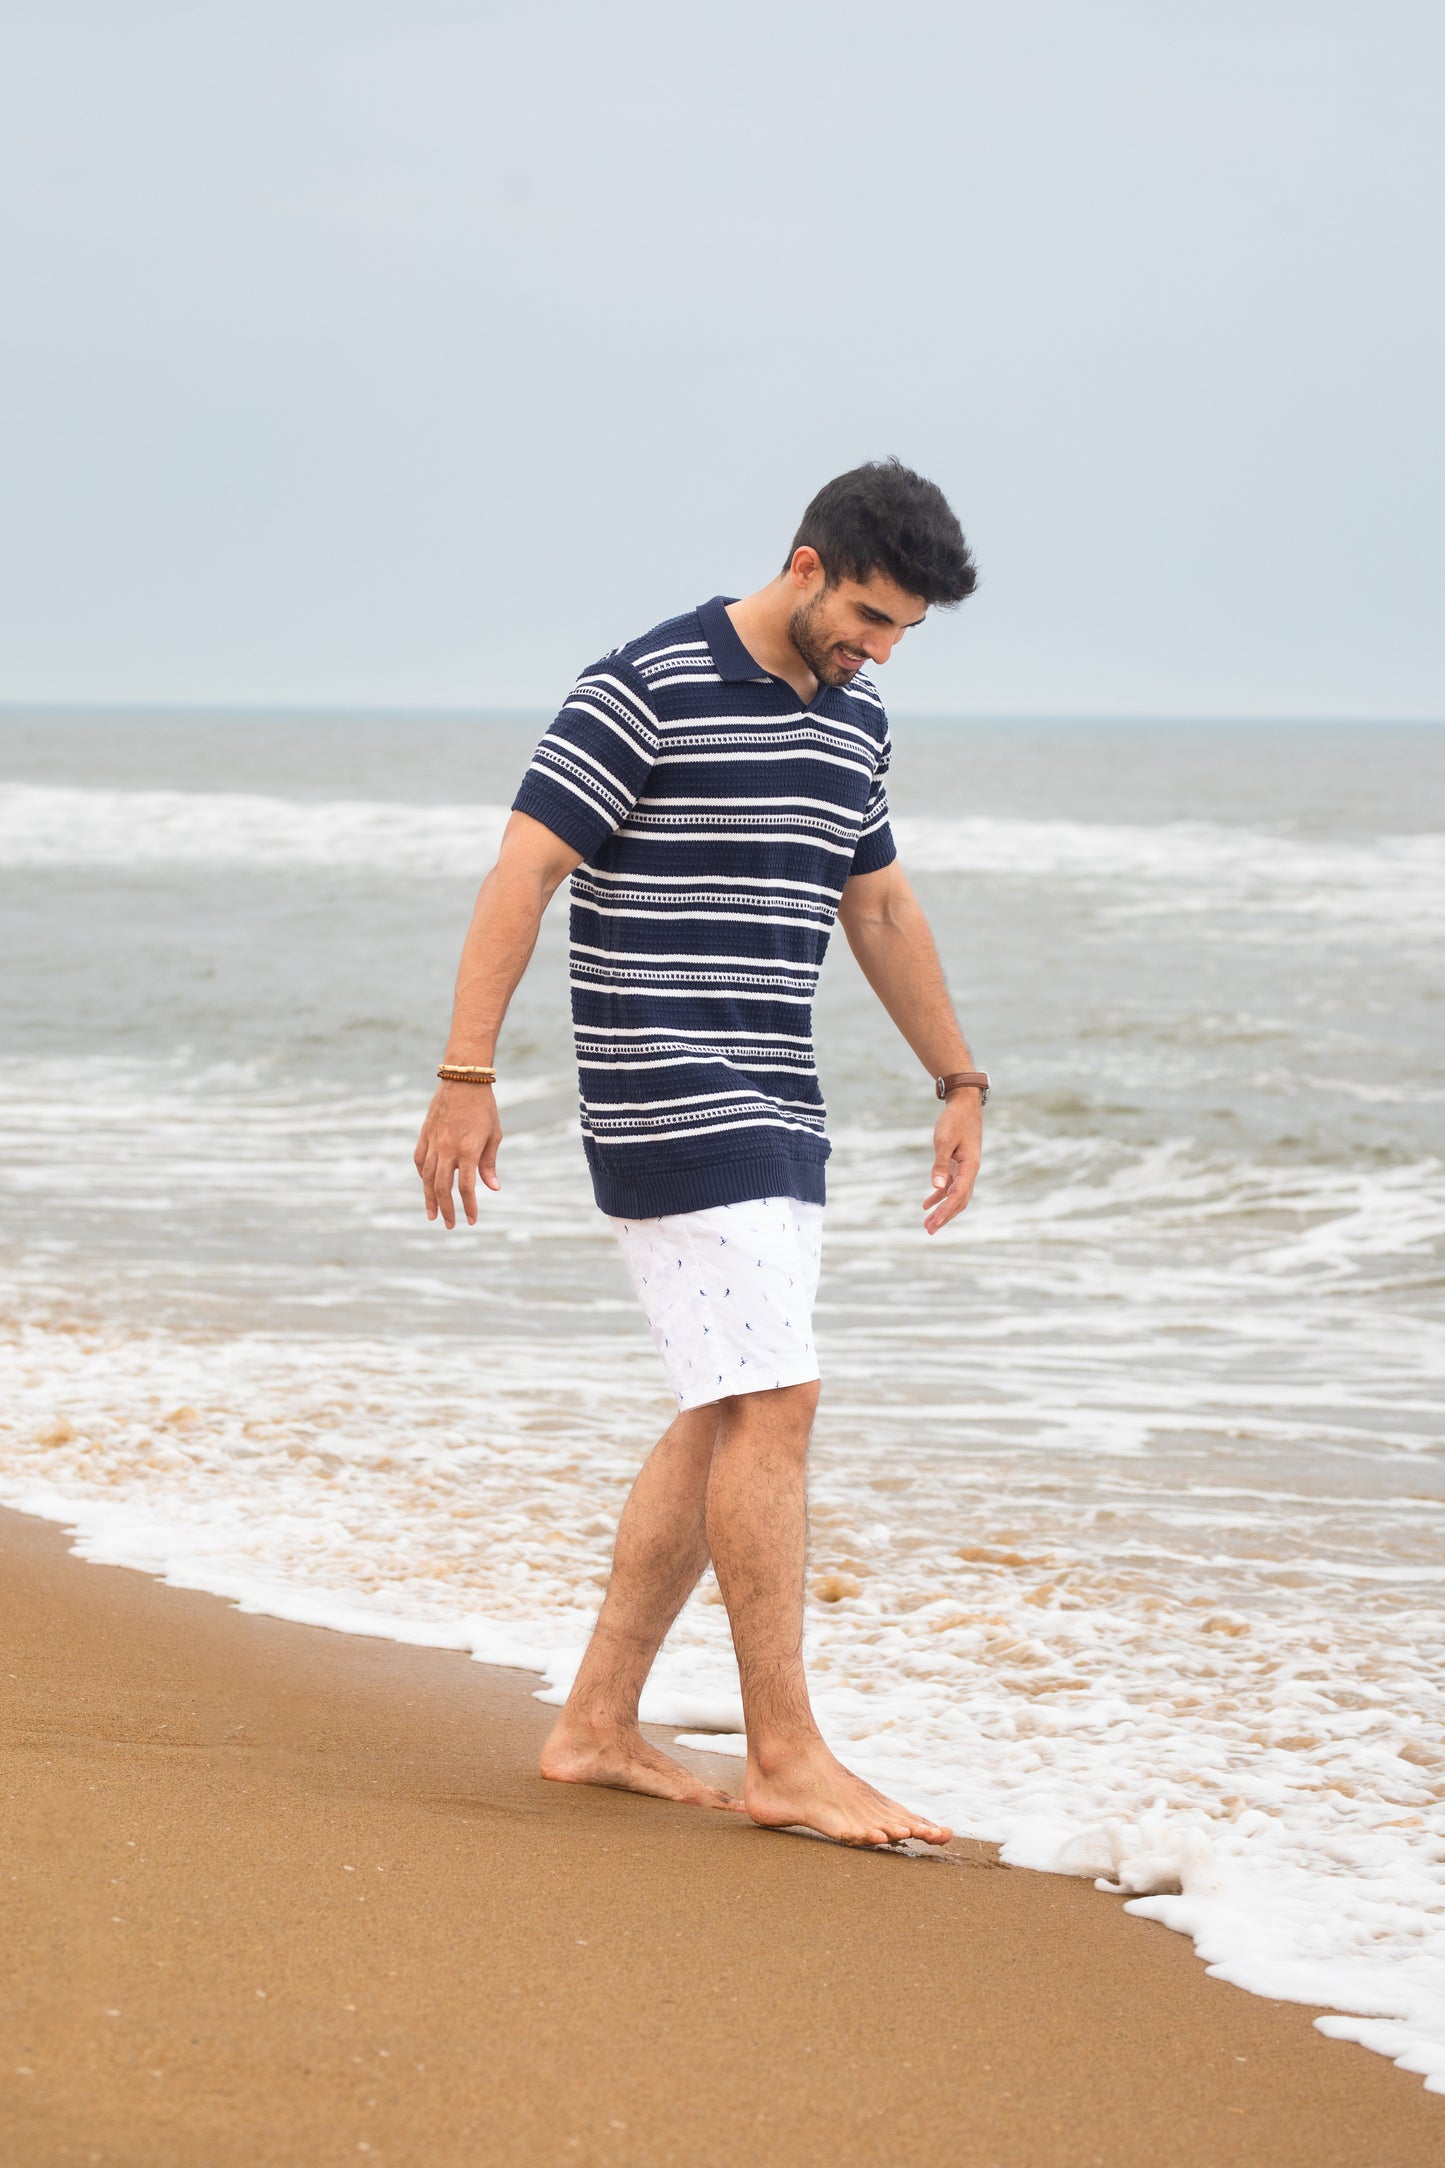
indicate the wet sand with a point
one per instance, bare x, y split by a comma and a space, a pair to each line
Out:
274, 1895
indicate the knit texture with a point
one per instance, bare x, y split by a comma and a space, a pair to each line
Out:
718, 822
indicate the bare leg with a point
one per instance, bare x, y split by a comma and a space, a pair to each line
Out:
757, 1528
660, 1552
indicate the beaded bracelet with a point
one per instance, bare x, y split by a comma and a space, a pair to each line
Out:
460, 1072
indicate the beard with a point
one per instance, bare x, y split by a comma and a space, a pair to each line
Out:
817, 651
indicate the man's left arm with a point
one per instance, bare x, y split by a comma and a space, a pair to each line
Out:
892, 941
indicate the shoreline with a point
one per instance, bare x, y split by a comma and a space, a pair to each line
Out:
277, 1893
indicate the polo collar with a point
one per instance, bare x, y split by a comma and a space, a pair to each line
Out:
734, 663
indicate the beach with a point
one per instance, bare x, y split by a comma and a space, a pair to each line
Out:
1127, 1496
1115, 1544
275, 1894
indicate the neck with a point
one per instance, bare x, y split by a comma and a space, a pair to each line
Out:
761, 622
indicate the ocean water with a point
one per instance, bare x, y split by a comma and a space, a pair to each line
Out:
1128, 1519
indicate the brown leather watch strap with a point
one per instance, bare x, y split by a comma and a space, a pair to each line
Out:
943, 1085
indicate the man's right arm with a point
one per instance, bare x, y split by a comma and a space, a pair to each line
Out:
461, 1133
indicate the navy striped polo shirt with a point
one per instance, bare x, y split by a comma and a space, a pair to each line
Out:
718, 820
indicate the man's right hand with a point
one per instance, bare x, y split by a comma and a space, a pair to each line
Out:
458, 1142
460, 1135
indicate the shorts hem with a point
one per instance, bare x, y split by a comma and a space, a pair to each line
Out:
708, 1397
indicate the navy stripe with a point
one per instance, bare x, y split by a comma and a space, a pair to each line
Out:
718, 822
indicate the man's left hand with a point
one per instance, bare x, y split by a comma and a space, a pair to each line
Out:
957, 1144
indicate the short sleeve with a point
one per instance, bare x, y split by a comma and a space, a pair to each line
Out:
876, 847
589, 768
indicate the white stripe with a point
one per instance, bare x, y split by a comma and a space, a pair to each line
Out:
702, 880
689, 677
619, 789
584, 899
797, 728
629, 730
767, 730
695, 981
700, 1061
774, 726
749, 754
830, 722
826, 901
801, 968
676, 1034
722, 981
716, 1129
636, 834
706, 918
861, 687
708, 992
636, 700
682, 993
692, 1099
818, 805
678, 647
561, 783
666, 1124
808, 826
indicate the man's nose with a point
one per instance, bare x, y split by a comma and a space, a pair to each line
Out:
878, 646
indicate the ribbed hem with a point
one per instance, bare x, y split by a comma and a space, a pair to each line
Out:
652, 1192
569, 821
875, 852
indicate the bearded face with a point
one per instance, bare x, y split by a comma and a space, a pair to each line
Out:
816, 631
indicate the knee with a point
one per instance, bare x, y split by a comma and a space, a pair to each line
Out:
801, 1401
778, 1420
696, 1431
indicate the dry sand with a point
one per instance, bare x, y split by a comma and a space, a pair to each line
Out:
276, 1895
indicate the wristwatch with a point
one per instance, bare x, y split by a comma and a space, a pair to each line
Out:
943, 1085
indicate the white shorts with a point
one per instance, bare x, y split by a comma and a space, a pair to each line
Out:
729, 1294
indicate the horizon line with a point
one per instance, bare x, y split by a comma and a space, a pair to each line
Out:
333, 711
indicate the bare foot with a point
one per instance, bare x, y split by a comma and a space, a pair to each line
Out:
624, 1761
808, 1788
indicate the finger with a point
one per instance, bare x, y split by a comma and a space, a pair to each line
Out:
945, 1205
467, 1190
948, 1174
941, 1210
942, 1192
487, 1168
442, 1180
940, 1219
428, 1187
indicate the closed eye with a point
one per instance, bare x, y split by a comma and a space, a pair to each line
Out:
881, 617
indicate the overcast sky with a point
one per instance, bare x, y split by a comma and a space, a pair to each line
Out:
414, 352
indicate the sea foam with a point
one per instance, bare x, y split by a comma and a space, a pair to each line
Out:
1128, 1533
1073, 1594
1386, 881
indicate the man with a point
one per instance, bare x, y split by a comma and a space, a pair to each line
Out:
716, 791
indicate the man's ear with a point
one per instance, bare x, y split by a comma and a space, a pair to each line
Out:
806, 567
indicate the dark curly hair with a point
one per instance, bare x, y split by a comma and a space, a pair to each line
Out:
885, 518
